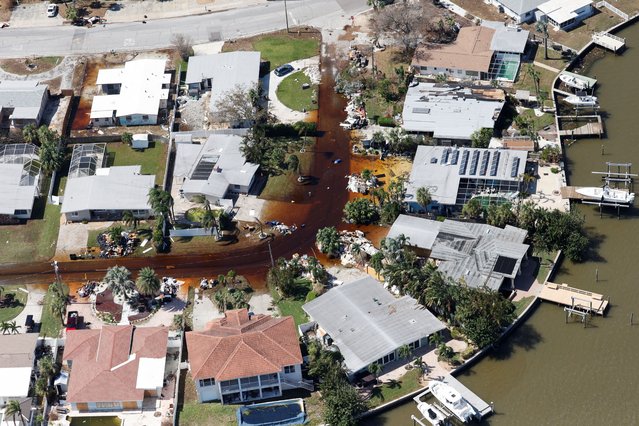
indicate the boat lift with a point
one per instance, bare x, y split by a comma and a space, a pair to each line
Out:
622, 175
584, 311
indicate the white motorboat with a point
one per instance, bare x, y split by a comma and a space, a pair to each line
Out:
452, 400
608, 195
583, 101
574, 82
431, 413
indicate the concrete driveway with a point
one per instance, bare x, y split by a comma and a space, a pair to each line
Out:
33, 15
33, 307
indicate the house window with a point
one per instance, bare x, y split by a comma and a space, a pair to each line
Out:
249, 381
128, 118
207, 382
386, 359
20, 212
289, 369
145, 117
414, 345
107, 405
75, 214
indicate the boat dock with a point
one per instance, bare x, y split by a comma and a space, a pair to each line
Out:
591, 128
574, 298
590, 82
609, 41
482, 407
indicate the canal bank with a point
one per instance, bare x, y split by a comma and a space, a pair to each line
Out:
549, 372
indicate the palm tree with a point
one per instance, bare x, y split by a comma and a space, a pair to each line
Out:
4, 327
534, 74
11, 409
404, 352
435, 339
148, 282
118, 278
129, 219
542, 27
13, 327
30, 133
375, 369
423, 197
1, 290
58, 305
221, 299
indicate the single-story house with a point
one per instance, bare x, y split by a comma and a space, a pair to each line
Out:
245, 357
565, 14
479, 255
94, 191
17, 360
133, 95
22, 102
115, 368
451, 113
521, 11
454, 175
216, 169
19, 179
368, 324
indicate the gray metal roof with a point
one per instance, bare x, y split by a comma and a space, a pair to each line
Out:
448, 112
19, 177
367, 322
479, 254
411, 227
26, 97
521, 6
507, 38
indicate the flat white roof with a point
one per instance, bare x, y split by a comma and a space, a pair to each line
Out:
14, 382
562, 11
150, 373
104, 105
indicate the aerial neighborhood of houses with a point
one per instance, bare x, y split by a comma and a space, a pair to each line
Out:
186, 224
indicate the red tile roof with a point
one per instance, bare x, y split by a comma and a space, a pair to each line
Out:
242, 346
105, 362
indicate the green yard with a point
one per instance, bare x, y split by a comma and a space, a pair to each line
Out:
291, 93
545, 264
522, 304
293, 305
51, 325
33, 241
152, 159
540, 122
19, 300
210, 413
284, 186
394, 389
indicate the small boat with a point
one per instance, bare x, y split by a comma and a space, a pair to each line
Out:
608, 195
431, 413
452, 400
573, 82
587, 100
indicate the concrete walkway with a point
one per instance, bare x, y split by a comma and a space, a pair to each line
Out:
33, 307
546, 67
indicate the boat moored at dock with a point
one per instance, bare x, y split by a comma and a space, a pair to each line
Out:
453, 401
432, 414
582, 100
607, 195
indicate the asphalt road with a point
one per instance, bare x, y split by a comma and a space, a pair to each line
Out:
328, 14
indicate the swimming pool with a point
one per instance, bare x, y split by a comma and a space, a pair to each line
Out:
280, 413
96, 421
504, 66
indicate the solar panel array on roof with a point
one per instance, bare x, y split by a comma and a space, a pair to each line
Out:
464, 163
473, 163
455, 157
513, 171
484, 163
445, 154
204, 167
495, 163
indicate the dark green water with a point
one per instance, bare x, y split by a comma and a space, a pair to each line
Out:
552, 373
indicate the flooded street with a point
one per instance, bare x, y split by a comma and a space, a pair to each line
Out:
552, 373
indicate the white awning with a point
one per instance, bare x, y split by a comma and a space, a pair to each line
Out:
150, 373
14, 382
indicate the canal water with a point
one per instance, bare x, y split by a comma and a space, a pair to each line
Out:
552, 373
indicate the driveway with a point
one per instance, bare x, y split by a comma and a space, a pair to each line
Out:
72, 237
33, 307
204, 311
33, 15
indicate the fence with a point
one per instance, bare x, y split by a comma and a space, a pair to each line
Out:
191, 232
613, 9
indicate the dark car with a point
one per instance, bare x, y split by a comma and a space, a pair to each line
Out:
283, 70
72, 320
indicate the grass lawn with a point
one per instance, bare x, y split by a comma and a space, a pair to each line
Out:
152, 159
522, 304
51, 325
545, 262
581, 35
210, 413
394, 389
525, 82
540, 122
33, 241
20, 299
291, 93
38, 65
145, 230
283, 186
293, 305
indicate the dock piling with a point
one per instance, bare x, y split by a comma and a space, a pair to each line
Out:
596, 275
632, 317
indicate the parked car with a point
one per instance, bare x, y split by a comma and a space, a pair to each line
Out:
72, 320
283, 70
52, 10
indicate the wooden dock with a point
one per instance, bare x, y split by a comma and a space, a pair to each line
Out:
609, 41
570, 193
591, 128
482, 407
574, 298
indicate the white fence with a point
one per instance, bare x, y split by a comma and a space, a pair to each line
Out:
191, 232
613, 9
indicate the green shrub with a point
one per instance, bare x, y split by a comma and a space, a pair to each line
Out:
386, 122
554, 170
310, 296
454, 332
468, 353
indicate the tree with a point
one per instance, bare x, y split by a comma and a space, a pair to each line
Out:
361, 211
57, 302
71, 13
551, 154
30, 133
377, 262
401, 22
535, 76
11, 409
12, 327
542, 27
481, 138
343, 404
501, 215
472, 209
231, 275
375, 369
148, 282
183, 44
282, 277
293, 163
118, 279
129, 219
127, 138
327, 240
222, 298
115, 233
435, 339
556, 230
161, 202
404, 352
239, 105
390, 211
423, 197
51, 150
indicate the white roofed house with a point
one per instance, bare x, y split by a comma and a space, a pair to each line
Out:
17, 359
19, 180
94, 191
222, 73
22, 103
521, 11
216, 169
134, 95
565, 14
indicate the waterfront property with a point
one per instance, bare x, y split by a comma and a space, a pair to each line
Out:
114, 368
133, 95
368, 324
455, 175
282, 413
245, 357
96, 192
574, 298
521, 11
22, 103
479, 255
216, 169
19, 179
565, 14
17, 352
451, 113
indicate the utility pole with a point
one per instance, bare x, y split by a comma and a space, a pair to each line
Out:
270, 252
286, 15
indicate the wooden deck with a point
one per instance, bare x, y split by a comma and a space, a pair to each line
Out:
482, 407
588, 129
570, 193
609, 41
575, 298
